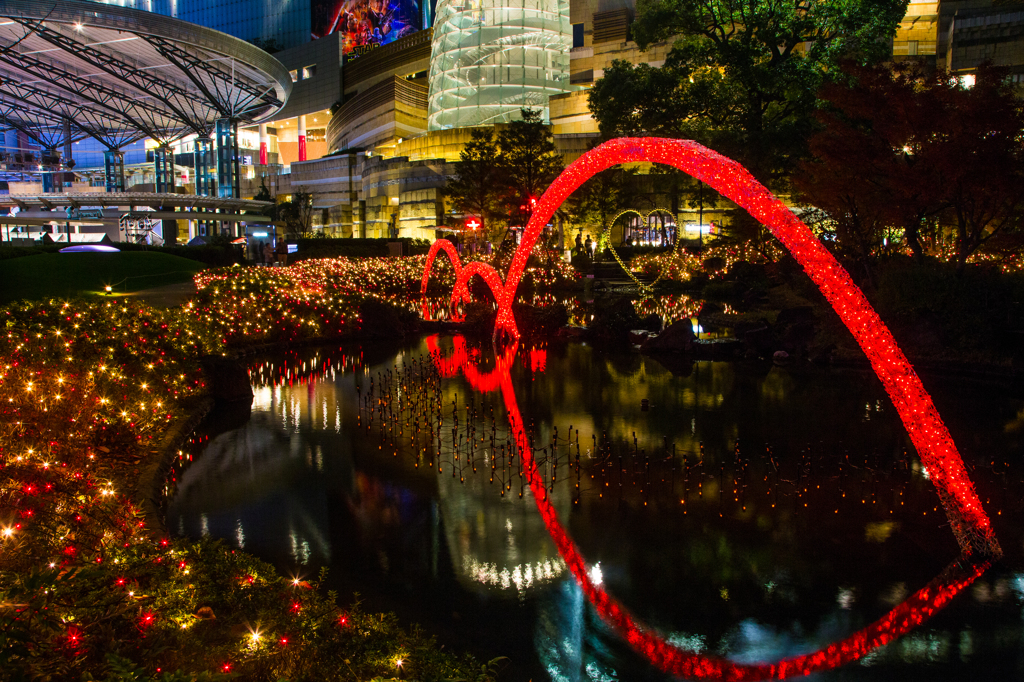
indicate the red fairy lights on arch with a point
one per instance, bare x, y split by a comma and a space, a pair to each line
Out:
970, 524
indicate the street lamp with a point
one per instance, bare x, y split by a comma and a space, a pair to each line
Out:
700, 214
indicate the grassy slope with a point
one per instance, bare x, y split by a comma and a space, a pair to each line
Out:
69, 274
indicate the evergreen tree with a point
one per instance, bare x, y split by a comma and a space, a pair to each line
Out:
528, 164
475, 189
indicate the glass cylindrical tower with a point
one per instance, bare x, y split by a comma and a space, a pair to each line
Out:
491, 58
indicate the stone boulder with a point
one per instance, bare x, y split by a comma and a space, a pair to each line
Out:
480, 318
614, 320
795, 329
540, 321
678, 337
757, 336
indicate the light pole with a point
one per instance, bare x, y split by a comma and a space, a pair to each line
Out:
700, 214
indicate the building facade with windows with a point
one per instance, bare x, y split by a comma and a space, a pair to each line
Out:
384, 97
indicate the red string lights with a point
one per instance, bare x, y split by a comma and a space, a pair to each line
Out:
970, 524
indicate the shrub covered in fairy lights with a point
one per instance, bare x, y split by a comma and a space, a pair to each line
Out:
683, 265
320, 298
86, 391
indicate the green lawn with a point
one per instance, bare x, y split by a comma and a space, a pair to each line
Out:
69, 274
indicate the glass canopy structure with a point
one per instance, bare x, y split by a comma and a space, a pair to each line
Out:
491, 58
72, 69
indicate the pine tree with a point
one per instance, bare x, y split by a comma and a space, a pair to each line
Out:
528, 162
475, 189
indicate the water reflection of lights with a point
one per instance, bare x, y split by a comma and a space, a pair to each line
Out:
669, 307
300, 550
970, 524
520, 577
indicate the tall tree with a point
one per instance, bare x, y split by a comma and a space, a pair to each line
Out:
297, 214
742, 74
977, 154
903, 147
528, 163
475, 188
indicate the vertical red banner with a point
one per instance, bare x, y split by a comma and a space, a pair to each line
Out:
263, 153
302, 147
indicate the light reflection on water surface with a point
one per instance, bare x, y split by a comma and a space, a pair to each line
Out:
817, 522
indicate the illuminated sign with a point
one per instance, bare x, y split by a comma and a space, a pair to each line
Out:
365, 24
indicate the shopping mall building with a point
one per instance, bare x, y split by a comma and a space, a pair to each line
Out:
384, 94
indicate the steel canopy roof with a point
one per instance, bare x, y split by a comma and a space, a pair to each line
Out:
71, 69
153, 199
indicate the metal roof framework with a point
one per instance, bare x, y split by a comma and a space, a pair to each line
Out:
71, 69
34, 208
153, 199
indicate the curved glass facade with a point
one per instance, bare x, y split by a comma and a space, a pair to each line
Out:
491, 58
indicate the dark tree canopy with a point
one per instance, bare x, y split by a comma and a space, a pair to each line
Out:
742, 74
528, 163
599, 198
474, 188
297, 214
497, 178
902, 148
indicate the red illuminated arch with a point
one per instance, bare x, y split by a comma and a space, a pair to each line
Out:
970, 524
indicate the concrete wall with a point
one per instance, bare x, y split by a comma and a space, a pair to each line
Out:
321, 90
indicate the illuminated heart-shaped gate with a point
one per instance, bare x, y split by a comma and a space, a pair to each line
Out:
968, 521
644, 219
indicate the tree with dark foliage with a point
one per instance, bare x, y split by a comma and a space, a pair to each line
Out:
474, 189
528, 163
903, 148
742, 74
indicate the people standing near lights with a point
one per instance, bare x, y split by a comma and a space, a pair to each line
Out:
268, 253
579, 242
589, 243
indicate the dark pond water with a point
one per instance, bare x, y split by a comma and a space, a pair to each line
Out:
753, 512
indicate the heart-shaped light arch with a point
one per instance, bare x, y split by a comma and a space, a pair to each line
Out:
644, 217
970, 524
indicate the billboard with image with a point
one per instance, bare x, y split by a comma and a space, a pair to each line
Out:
366, 24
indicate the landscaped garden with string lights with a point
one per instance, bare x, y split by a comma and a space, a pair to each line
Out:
90, 389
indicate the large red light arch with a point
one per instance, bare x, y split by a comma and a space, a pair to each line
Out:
970, 524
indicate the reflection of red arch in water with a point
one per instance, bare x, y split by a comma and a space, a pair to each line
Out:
968, 520
918, 608
460, 361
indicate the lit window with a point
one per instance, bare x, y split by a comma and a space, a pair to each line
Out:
294, 73
308, 71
